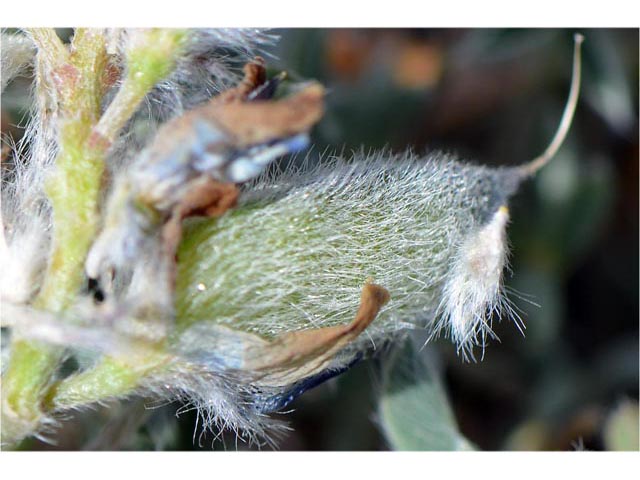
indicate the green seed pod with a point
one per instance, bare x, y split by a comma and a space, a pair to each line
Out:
295, 254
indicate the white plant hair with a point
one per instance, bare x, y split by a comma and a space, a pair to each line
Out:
211, 62
16, 54
24, 238
473, 294
294, 255
25, 212
296, 252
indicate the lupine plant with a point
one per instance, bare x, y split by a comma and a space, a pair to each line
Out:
154, 243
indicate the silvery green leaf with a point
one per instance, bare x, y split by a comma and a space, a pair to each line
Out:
414, 411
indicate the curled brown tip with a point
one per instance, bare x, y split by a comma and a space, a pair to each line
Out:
295, 355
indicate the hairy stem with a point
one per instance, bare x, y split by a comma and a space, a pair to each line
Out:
73, 79
110, 377
50, 48
73, 191
149, 60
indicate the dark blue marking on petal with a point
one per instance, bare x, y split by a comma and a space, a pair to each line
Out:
277, 402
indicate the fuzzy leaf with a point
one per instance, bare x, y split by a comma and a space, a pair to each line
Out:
414, 410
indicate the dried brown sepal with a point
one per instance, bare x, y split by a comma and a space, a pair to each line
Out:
206, 197
296, 355
248, 123
263, 120
255, 74
244, 122
174, 180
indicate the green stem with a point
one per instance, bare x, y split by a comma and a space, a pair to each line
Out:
149, 60
110, 377
30, 368
74, 191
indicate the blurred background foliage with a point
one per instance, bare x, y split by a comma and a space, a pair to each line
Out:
493, 97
